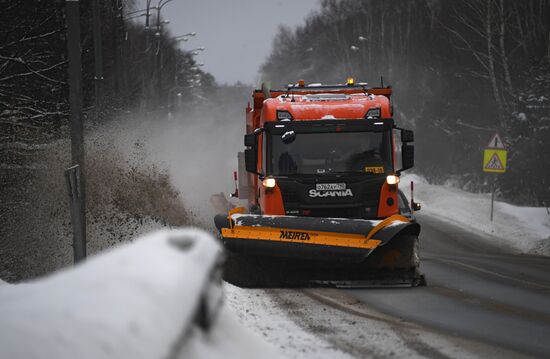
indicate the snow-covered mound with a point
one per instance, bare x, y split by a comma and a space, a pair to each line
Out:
136, 301
228, 339
526, 229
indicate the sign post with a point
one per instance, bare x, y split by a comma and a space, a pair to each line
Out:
494, 161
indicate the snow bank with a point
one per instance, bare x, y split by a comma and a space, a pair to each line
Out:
229, 339
527, 229
135, 301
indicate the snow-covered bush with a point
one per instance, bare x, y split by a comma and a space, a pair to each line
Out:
127, 195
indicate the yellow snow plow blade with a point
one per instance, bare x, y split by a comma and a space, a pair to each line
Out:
360, 234
290, 250
302, 236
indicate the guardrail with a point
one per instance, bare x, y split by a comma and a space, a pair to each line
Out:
136, 301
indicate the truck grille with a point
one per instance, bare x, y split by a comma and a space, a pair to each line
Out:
291, 196
362, 204
346, 212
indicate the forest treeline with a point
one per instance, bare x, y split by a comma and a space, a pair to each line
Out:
145, 75
461, 71
142, 68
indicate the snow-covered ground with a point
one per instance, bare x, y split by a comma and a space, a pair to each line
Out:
228, 339
330, 323
139, 300
527, 229
258, 310
136, 301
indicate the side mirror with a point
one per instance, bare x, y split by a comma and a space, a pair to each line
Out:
250, 140
407, 150
251, 153
407, 157
407, 136
251, 159
288, 137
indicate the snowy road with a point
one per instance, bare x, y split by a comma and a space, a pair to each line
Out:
476, 291
480, 302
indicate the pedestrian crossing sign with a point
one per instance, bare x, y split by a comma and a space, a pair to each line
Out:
494, 160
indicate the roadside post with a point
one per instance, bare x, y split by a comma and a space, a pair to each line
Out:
75, 174
74, 186
98, 56
494, 161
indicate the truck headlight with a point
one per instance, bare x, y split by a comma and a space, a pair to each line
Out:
392, 179
269, 182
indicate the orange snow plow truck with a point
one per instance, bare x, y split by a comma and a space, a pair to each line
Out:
320, 174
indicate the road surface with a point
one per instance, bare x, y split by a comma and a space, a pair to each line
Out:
476, 291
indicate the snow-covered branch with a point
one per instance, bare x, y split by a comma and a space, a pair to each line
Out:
37, 72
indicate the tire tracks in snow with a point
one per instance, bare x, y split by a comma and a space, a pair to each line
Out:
402, 329
403, 338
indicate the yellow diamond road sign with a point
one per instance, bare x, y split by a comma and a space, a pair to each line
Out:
494, 160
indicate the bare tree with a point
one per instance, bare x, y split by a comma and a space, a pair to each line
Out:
32, 71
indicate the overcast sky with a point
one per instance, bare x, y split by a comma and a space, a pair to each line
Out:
237, 34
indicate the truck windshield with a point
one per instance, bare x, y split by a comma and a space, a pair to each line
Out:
335, 152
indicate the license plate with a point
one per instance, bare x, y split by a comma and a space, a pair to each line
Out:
330, 186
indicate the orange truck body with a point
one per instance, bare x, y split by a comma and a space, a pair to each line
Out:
320, 175
265, 110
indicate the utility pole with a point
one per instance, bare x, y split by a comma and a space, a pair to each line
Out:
116, 48
158, 57
148, 52
78, 203
158, 53
98, 51
147, 28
